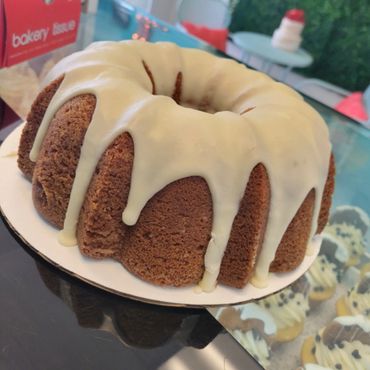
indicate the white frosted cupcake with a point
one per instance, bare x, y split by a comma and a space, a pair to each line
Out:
357, 299
350, 224
252, 327
313, 367
323, 279
351, 237
351, 215
326, 271
343, 344
288, 309
255, 344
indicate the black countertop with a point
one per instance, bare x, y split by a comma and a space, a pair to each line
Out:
53, 321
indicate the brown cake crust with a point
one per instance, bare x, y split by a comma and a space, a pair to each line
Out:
34, 119
327, 196
292, 248
167, 244
247, 233
56, 164
185, 209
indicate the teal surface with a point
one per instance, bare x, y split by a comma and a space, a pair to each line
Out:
111, 26
258, 44
351, 148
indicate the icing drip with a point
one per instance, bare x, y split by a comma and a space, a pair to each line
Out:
173, 142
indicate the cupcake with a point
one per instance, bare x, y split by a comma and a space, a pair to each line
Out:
252, 327
326, 271
349, 225
343, 344
357, 299
364, 266
323, 280
255, 344
351, 215
335, 252
288, 309
365, 269
351, 237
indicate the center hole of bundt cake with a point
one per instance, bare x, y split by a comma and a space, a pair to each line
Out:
203, 106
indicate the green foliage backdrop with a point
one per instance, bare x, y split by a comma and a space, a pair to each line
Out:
337, 34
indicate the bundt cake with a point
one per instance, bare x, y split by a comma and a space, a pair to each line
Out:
185, 167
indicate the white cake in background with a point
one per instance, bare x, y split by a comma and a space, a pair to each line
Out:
288, 35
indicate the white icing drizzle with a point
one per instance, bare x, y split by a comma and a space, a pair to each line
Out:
173, 142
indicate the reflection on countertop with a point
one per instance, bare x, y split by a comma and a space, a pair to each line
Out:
134, 323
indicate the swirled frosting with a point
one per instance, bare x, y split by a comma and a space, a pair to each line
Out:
287, 307
334, 249
344, 344
222, 144
358, 298
351, 215
254, 311
346, 355
255, 345
350, 235
314, 367
322, 274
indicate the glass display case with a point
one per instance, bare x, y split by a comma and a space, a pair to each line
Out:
337, 284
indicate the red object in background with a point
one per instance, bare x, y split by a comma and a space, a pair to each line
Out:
35, 27
353, 106
217, 37
295, 15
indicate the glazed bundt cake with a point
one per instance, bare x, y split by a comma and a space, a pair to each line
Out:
185, 167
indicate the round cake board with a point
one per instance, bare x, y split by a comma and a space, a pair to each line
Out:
18, 210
